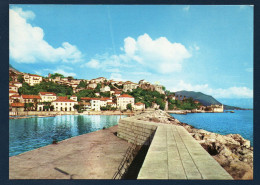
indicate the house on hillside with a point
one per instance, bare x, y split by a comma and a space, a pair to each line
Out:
32, 79
105, 89
129, 86
13, 88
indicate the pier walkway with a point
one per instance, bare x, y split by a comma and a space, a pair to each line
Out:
173, 153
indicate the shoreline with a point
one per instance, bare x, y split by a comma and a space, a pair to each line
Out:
231, 151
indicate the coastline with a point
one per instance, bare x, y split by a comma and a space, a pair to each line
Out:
231, 151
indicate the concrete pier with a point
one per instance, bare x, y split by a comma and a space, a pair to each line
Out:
173, 153
95, 155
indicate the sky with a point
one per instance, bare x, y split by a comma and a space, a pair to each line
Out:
204, 48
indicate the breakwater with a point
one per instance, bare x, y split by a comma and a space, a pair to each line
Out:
232, 151
173, 153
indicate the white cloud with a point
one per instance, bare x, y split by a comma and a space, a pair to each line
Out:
27, 44
160, 55
116, 77
61, 71
231, 92
186, 8
93, 63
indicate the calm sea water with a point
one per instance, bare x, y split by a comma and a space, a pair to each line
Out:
31, 133
240, 122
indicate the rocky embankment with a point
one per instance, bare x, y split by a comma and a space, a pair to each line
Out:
232, 151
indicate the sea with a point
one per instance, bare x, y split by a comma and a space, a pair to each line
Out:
240, 122
35, 132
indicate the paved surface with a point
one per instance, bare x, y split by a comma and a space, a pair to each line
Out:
175, 154
96, 155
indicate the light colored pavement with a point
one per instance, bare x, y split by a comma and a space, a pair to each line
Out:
96, 155
175, 154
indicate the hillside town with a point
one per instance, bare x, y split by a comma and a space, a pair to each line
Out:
27, 92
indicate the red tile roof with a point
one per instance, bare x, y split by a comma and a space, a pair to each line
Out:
12, 86
12, 92
17, 104
34, 75
47, 93
85, 98
63, 99
125, 96
15, 96
104, 99
25, 96
139, 103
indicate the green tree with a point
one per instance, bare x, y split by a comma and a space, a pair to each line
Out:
82, 84
56, 75
20, 78
129, 106
97, 89
10, 79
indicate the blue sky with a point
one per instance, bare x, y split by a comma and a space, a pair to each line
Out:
199, 47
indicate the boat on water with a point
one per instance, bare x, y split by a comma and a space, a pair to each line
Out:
230, 111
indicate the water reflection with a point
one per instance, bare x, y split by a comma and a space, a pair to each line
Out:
31, 133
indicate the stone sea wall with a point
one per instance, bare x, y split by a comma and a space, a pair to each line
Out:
136, 131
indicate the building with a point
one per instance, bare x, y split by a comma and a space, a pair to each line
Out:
17, 107
105, 89
139, 106
18, 84
217, 108
95, 104
112, 104
129, 86
11, 93
73, 97
99, 80
63, 104
30, 98
92, 86
104, 101
47, 96
13, 88
14, 99
32, 79
123, 100
159, 88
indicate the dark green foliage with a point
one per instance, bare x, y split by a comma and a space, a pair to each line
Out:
86, 93
56, 75
20, 78
82, 84
105, 94
129, 106
46, 87
10, 79
97, 89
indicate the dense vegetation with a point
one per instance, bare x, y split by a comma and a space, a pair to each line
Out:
59, 90
148, 97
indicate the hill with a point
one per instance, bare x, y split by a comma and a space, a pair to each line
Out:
11, 68
206, 100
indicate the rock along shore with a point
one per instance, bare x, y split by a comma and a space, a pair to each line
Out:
231, 151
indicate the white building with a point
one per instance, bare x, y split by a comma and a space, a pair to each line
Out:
105, 89
63, 104
47, 96
32, 79
123, 100
129, 86
13, 88
73, 97
18, 84
217, 108
95, 104
30, 98
139, 106
92, 86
